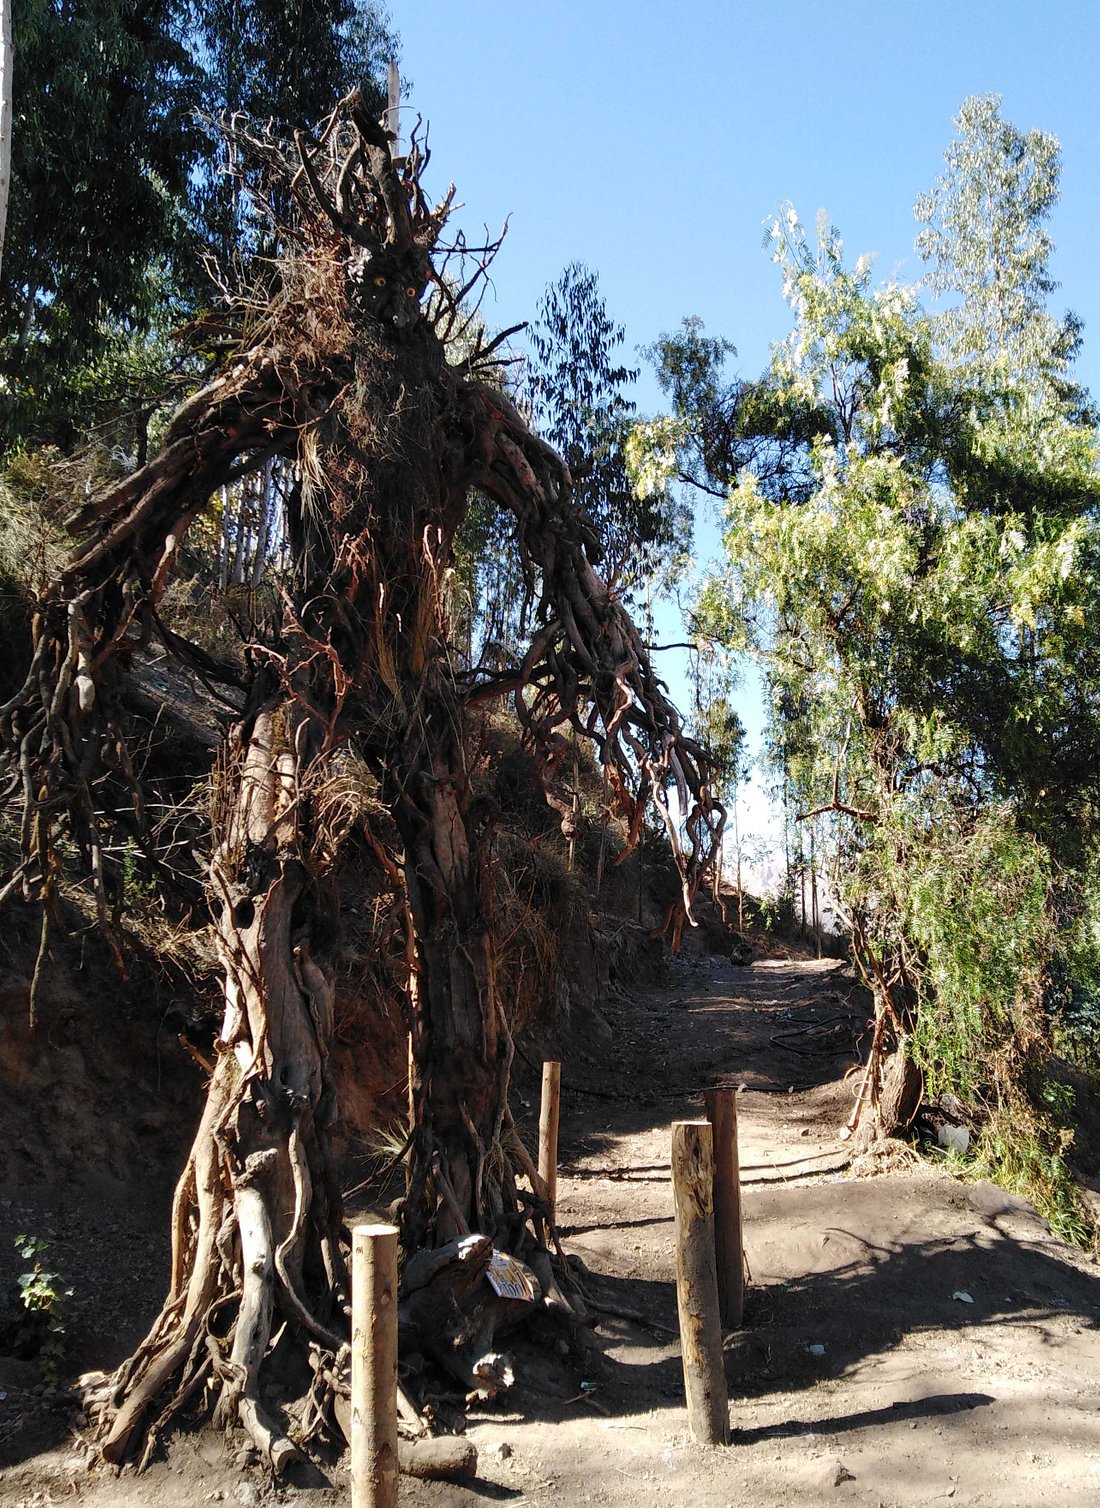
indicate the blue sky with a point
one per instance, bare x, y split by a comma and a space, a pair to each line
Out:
653, 141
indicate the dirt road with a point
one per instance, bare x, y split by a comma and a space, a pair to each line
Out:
908, 1339
955, 1342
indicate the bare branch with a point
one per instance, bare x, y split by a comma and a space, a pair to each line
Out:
837, 806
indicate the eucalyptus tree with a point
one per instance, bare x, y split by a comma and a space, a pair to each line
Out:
6, 61
357, 718
118, 192
95, 86
1028, 449
912, 546
575, 385
984, 235
280, 62
578, 389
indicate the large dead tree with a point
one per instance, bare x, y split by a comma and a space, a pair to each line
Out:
337, 364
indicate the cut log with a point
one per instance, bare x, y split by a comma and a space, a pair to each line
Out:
443, 1458
458, 1265
436, 1458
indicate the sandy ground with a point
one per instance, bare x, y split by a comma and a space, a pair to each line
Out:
862, 1374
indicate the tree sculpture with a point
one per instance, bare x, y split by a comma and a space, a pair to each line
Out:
338, 366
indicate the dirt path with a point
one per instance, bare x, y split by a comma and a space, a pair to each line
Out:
917, 1395
862, 1375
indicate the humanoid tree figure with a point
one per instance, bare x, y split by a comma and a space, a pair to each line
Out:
338, 365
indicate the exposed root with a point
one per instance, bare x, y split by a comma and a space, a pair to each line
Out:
269, 1440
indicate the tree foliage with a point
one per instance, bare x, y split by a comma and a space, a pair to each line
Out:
913, 546
578, 393
103, 260
96, 85
985, 239
279, 62
575, 387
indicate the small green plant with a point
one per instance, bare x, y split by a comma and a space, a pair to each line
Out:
768, 912
136, 886
44, 1295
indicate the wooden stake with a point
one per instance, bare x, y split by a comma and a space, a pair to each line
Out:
374, 1467
548, 1132
722, 1113
697, 1283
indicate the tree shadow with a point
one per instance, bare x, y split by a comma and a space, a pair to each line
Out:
855, 1312
934, 1406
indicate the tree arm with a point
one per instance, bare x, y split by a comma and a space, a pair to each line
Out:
63, 733
588, 666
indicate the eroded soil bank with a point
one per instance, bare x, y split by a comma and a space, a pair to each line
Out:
908, 1338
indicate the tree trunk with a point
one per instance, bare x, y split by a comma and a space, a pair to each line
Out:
462, 1047
265, 526
257, 1211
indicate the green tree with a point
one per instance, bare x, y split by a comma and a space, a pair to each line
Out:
283, 63
918, 576
718, 423
575, 387
118, 194
985, 239
578, 395
102, 150
6, 60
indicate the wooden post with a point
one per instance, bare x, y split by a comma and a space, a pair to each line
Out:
548, 1133
722, 1113
374, 1467
697, 1283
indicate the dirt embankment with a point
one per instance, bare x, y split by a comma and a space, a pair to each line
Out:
908, 1338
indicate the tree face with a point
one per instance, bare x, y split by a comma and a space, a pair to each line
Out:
339, 372
386, 287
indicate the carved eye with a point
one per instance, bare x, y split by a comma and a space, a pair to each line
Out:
380, 281
410, 292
